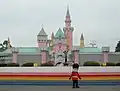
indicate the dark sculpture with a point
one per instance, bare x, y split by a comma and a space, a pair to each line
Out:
65, 52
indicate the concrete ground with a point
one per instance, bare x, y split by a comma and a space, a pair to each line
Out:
59, 88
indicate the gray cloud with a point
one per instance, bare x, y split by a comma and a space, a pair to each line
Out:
21, 20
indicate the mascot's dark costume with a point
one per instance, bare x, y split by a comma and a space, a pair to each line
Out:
75, 75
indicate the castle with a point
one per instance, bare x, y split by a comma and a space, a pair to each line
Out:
53, 49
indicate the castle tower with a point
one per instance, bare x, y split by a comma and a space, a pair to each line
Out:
42, 38
82, 41
68, 30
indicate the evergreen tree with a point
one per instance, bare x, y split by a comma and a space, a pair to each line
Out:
117, 49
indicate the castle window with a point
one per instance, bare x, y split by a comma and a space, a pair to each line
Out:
59, 38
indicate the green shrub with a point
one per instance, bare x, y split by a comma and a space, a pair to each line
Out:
110, 64
3, 65
28, 65
47, 64
117, 64
12, 65
91, 63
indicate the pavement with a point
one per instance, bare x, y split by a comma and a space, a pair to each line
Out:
59, 88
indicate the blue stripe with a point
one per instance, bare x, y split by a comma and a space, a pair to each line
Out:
60, 83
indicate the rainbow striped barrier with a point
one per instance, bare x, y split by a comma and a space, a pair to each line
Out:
46, 78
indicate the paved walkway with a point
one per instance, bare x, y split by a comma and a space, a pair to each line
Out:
58, 88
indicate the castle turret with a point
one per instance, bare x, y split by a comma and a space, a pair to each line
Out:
68, 30
82, 41
9, 45
42, 38
51, 41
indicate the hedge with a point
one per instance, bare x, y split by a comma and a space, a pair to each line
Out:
28, 65
117, 64
3, 65
91, 63
12, 65
49, 63
110, 64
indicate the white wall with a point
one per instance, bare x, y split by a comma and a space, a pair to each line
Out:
58, 69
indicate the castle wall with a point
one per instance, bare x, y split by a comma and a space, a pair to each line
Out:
24, 58
60, 70
99, 57
90, 57
56, 48
114, 57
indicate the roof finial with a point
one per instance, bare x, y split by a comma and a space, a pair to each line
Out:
42, 26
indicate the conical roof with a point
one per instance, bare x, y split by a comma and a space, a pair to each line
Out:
59, 33
42, 32
82, 38
67, 13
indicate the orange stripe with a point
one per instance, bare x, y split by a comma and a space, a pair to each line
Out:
58, 78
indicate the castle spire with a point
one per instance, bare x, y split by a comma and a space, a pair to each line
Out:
82, 41
68, 30
67, 13
82, 38
52, 35
9, 46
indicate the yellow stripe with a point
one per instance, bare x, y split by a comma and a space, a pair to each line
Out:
58, 78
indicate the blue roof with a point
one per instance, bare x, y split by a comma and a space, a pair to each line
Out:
90, 50
27, 49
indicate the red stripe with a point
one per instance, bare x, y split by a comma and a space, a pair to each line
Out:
61, 73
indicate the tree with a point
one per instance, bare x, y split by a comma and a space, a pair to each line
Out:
5, 43
117, 49
1, 48
4, 46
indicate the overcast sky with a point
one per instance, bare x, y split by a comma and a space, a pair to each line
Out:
98, 20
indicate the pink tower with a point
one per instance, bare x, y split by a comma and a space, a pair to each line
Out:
68, 30
42, 38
